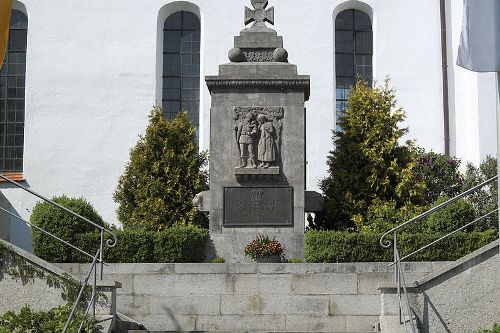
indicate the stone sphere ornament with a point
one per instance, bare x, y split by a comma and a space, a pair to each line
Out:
236, 55
280, 55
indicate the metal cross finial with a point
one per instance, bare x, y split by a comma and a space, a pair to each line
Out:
259, 14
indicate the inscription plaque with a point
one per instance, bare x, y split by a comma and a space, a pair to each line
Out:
258, 207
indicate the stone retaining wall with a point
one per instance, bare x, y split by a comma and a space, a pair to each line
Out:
253, 297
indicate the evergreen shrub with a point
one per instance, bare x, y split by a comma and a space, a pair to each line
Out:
343, 246
450, 217
486, 199
368, 162
179, 243
163, 175
62, 225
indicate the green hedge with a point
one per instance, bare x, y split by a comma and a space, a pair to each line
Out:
175, 244
342, 246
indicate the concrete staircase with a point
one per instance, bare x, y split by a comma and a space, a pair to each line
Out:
463, 296
343, 298
25, 279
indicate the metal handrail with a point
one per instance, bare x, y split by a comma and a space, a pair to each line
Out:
448, 235
80, 294
109, 242
399, 272
387, 243
401, 283
98, 258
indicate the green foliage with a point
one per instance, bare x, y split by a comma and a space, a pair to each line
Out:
42, 322
179, 243
440, 173
295, 261
343, 246
384, 215
3, 250
163, 175
218, 260
368, 162
496, 329
263, 246
63, 225
486, 199
450, 217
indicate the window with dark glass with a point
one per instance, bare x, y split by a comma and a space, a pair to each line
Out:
353, 53
12, 86
181, 65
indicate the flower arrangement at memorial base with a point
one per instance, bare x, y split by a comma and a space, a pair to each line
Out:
263, 249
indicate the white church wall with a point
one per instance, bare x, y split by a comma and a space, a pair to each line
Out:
93, 70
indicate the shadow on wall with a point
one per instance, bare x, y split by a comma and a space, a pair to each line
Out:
14, 230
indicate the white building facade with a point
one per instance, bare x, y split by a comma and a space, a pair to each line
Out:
94, 69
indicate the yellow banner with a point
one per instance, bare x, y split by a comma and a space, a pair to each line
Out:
5, 10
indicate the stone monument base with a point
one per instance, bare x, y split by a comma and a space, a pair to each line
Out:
230, 245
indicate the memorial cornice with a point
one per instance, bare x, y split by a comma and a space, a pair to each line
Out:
302, 82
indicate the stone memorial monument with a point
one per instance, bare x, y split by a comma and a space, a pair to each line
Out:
257, 143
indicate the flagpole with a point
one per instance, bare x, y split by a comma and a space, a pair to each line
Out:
498, 143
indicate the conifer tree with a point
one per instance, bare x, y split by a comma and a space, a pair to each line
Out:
368, 163
163, 175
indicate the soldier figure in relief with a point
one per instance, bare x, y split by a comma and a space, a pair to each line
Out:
246, 131
267, 142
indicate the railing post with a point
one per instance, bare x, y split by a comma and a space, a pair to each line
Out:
396, 274
498, 141
101, 255
94, 289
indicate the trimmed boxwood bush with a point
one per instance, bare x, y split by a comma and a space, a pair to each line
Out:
63, 225
179, 243
343, 246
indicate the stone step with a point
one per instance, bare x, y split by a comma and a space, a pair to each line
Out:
143, 331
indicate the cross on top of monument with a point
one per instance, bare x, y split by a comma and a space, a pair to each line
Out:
259, 14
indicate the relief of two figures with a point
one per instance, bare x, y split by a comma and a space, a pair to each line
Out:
256, 134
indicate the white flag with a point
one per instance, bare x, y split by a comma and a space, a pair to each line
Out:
480, 41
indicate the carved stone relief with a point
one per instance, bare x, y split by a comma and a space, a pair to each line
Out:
257, 135
258, 55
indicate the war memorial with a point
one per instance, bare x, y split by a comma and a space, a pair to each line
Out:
257, 145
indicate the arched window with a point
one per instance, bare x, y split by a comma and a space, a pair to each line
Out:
181, 65
353, 53
12, 79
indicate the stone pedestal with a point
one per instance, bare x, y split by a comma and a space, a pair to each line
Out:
257, 146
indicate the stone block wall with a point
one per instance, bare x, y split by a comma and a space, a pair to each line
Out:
20, 285
253, 297
464, 297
